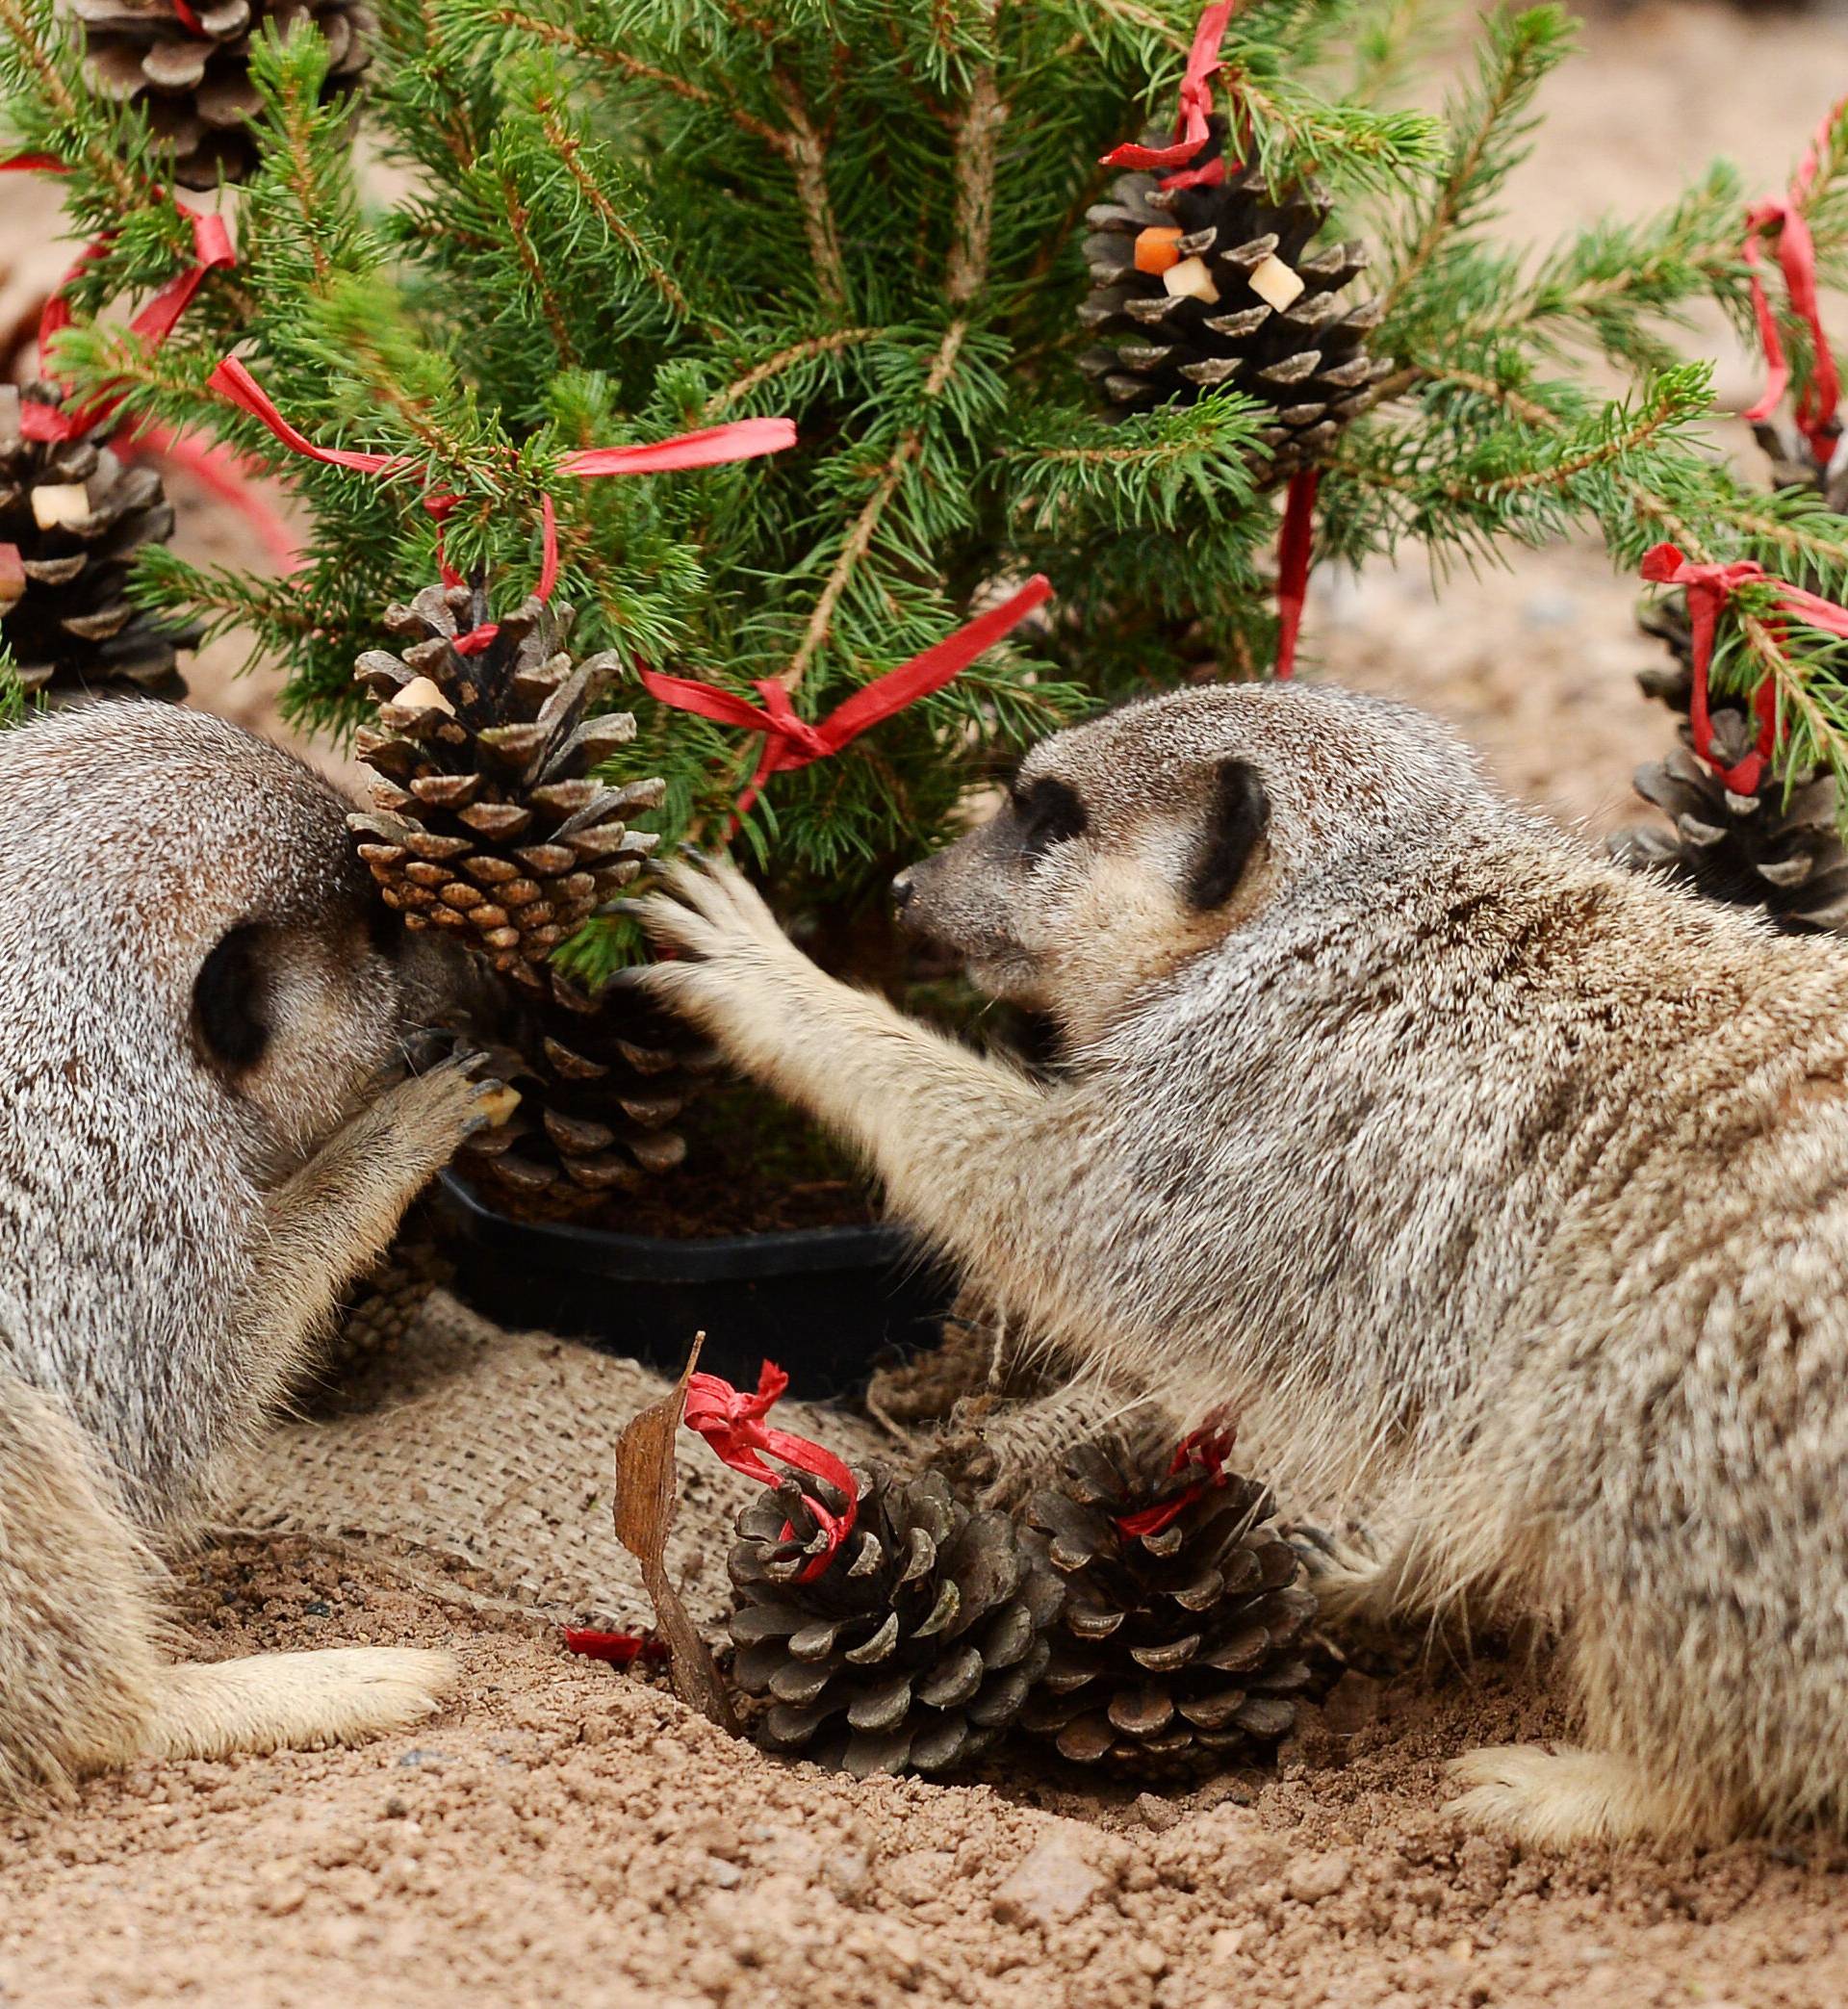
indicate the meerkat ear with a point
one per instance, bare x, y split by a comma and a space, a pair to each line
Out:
1238, 816
228, 999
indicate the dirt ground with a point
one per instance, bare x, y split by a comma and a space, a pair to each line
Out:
569, 1833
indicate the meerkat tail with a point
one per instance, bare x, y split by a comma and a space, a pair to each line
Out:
292, 1701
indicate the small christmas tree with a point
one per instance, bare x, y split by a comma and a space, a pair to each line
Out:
621, 220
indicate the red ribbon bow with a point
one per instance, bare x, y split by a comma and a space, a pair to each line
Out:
1195, 108
1816, 413
743, 438
1208, 1446
790, 742
1708, 587
732, 1424
154, 324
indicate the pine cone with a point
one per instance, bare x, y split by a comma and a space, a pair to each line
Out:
1785, 857
916, 1645
1177, 1646
390, 1298
600, 1079
76, 517
1194, 288
487, 818
195, 87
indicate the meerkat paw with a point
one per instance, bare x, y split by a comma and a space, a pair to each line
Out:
734, 965
1552, 1799
292, 1701
450, 1103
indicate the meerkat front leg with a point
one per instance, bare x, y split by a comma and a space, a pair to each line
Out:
331, 1218
86, 1679
935, 1120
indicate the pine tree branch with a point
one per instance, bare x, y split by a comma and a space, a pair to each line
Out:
570, 150
797, 354
607, 56
42, 63
966, 276
537, 277
803, 149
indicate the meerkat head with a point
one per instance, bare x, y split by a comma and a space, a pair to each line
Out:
1132, 843
199, 885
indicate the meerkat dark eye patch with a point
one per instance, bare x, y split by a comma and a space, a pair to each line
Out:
228, 1000
1050, 813
1238, 815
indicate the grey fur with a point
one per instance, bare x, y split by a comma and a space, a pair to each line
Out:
1502, 1191
173, 1227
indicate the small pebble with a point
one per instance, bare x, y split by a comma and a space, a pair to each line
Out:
1156, 1813
1309, 1879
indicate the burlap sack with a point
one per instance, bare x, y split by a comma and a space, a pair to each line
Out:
484, 1458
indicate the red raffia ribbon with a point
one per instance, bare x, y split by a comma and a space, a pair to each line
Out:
1208, 1446
187, 19
618, 1649
1816, 413
1195, 108
790, 742
1293, 550
1708, 587
732, 1424
154, 324
744, 438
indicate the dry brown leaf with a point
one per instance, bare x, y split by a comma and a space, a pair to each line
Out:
647, 1491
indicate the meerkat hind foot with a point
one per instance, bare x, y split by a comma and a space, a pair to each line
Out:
1552, 1799
292, 1701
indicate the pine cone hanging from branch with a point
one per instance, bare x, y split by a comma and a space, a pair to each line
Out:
72, 517
194, 83
488, 819
916, 1644
1177, 1641
1198, 287
601, 1079
1781, 854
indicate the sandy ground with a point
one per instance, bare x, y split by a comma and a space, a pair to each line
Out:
566, 1832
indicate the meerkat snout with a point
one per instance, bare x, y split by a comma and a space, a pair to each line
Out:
1098, 873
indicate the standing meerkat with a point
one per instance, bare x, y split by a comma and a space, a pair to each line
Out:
192, 1165
1504, 1192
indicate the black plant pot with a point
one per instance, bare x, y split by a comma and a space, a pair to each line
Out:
827, 1304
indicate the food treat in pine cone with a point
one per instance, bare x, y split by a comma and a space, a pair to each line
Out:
72, 517
912, 1647
488, 819
1198, 287
1177, 1644
190, 73
600, 1080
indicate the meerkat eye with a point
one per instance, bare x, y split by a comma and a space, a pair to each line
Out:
1050, 813
228, 999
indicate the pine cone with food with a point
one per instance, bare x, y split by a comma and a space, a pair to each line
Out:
189, 69
913, 1646
488, 819
602, 1078
1218, 284
72, 517
1177, 1643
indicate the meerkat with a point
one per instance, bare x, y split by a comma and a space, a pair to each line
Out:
193, 1159
1504, 1193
